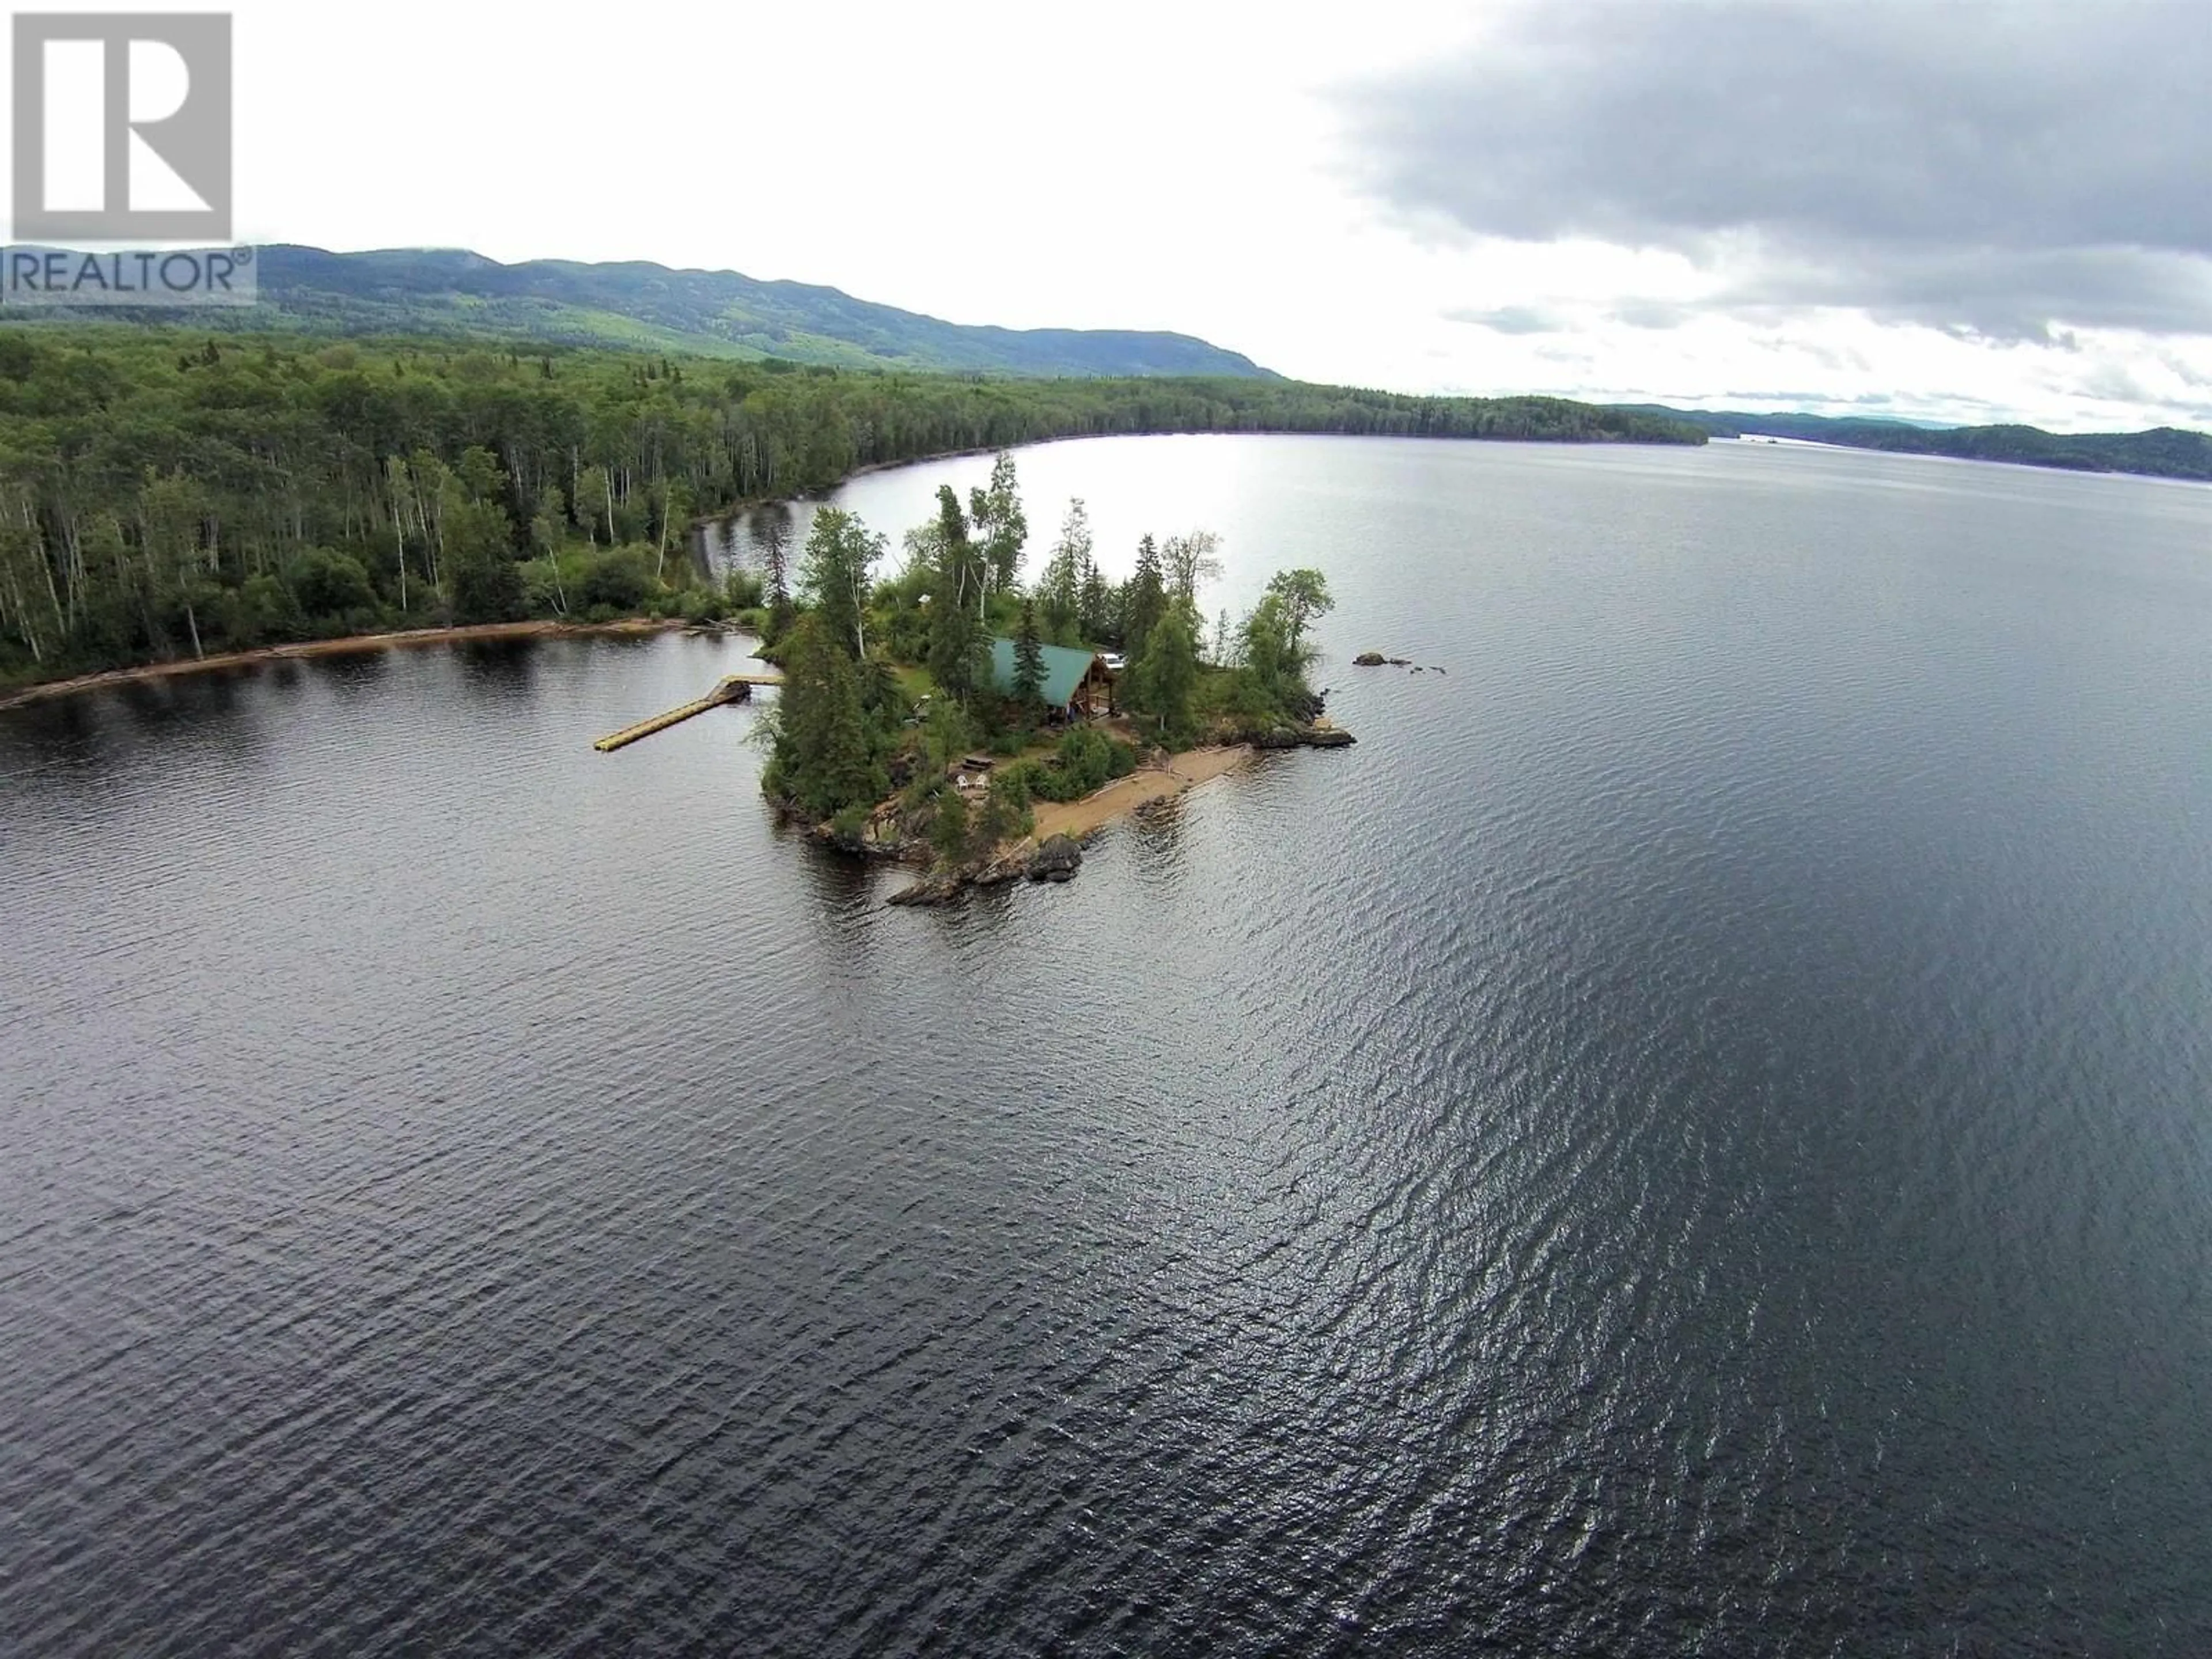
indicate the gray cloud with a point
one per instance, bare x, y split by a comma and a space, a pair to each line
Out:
2114, 383
1653, 313
2185, 371
1994, 169
1509, 319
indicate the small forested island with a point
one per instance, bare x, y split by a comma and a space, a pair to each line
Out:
951, 714
171, 497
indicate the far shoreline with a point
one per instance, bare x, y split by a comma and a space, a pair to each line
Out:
342, 645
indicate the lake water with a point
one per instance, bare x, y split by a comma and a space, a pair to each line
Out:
1695, 1136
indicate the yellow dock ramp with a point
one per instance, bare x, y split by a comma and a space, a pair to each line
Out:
732, 687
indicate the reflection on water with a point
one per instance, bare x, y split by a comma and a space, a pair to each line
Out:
1689, 1138
751, 538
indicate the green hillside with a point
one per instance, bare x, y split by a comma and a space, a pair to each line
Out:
454, 295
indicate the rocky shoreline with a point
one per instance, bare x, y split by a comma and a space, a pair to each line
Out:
1056, 859
1054, 853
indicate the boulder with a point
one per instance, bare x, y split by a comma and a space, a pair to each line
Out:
1056, 859
1369, 659
930, 889
1319, 735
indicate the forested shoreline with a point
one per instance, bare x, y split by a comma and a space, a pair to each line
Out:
2164, 452
165, 494
895, 680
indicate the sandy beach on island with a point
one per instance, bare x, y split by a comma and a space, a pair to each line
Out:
412, 636
1079, 818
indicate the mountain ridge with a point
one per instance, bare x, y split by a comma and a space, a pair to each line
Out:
640, 304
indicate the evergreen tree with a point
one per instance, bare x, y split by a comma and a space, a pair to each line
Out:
1029, 662
772, 533
824, 755
1144, 600
957, 645
948, 830
993, 821
1096, 609
1059, 585
849, 772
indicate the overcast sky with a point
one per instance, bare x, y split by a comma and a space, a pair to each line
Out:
1958, 211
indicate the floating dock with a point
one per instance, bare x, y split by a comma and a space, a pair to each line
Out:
732, 688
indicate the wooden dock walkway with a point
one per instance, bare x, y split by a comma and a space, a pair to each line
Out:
732, 688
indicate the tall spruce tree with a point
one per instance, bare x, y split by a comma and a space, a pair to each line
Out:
825, 758
1029, 662
948, 827
772, 532
1096, 611
957, 645
1144, 601
1059, 585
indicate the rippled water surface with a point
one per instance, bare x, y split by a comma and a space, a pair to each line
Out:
1695, 1136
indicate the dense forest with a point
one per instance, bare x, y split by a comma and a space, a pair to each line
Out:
2163, 452
165, 494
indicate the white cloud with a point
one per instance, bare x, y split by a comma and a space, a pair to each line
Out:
1198, 169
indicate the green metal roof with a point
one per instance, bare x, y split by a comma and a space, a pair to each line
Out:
1063, 669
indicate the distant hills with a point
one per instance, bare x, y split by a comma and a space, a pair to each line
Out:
642, 307
2164, 452
452, 294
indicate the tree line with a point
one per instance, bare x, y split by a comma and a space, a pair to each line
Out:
162, 494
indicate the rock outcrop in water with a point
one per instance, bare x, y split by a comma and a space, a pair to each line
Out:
1376, 660
941, 888
1057, 860
1319, 735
